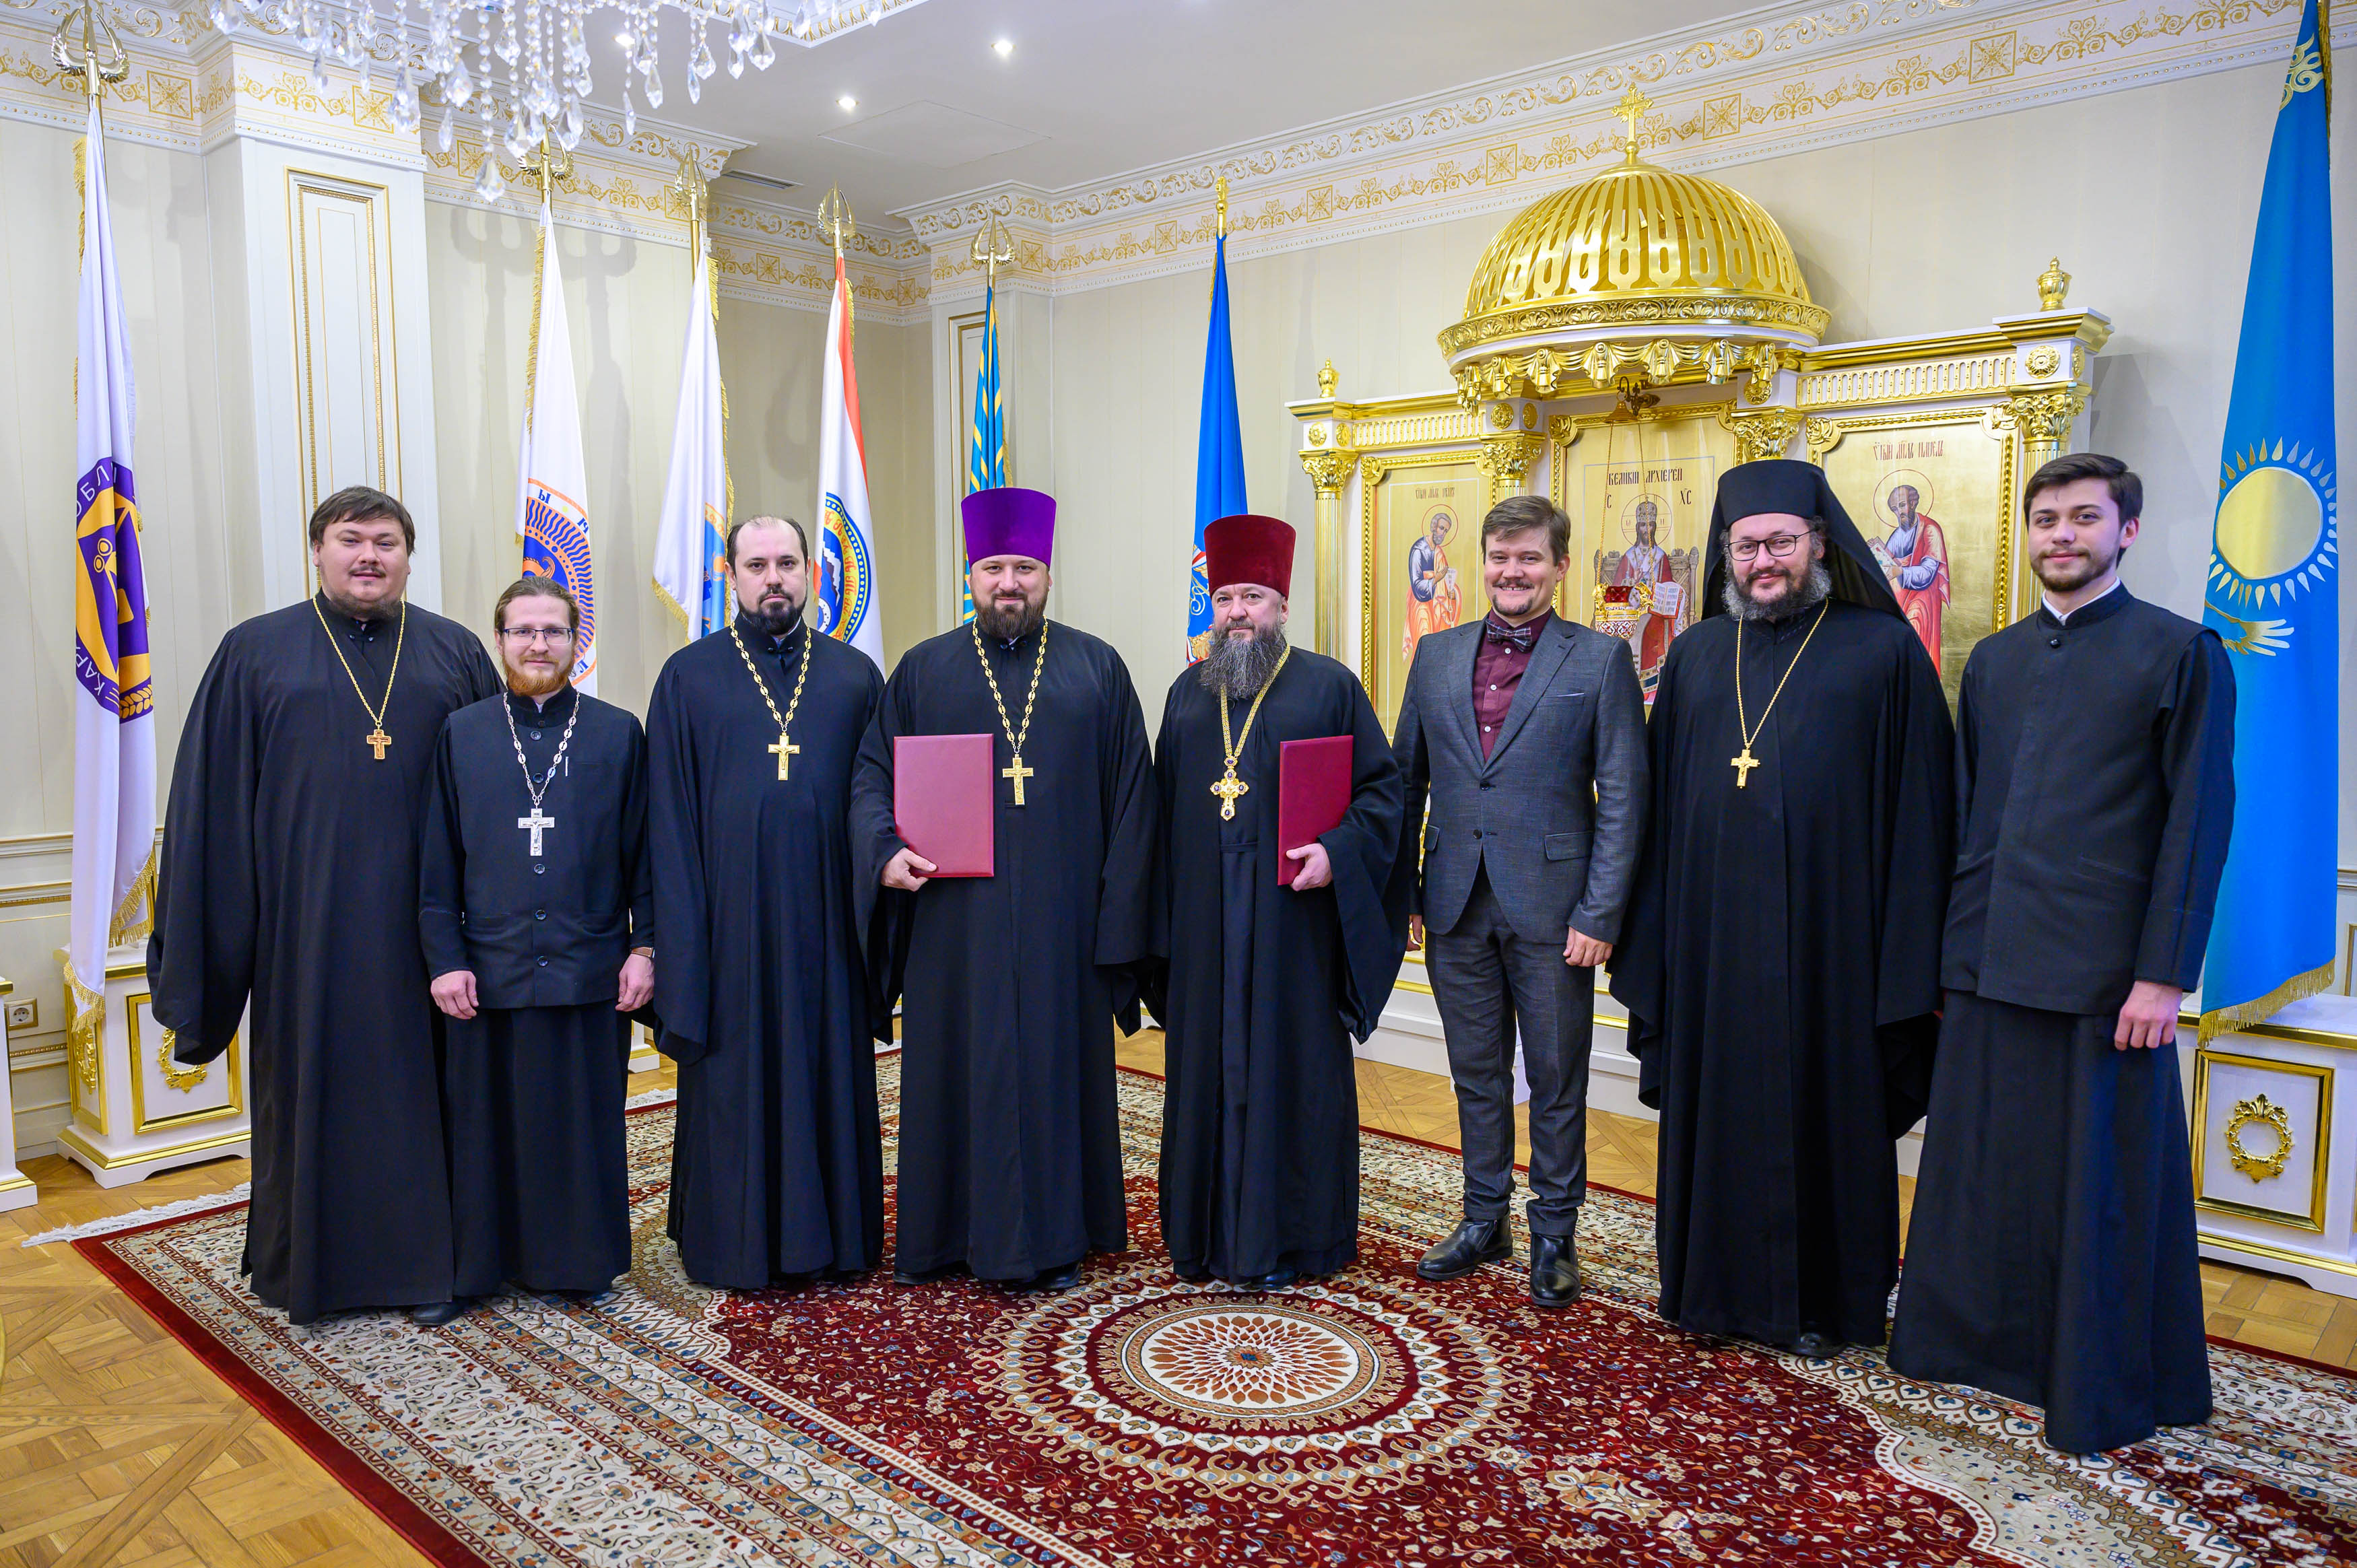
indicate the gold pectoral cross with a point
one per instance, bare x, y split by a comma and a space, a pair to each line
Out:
1227, 789
785, 753
1018, 773
1743, 766
377, 740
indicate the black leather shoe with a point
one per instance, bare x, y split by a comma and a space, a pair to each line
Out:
1816, 1346
1192, 1275
1049, 1280
1554, 1269
433, 1314
1276, 1279
924, 1276
1471, 1245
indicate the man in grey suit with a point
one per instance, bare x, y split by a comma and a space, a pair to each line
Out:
1526, 732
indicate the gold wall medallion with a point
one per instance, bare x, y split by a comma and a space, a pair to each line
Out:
2264, 1134
2259, 1111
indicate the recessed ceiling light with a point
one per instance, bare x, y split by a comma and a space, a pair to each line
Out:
846, 102
1004, 47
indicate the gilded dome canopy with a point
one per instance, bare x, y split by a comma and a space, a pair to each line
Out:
1638, 270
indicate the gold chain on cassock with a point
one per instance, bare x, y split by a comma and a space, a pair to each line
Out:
785, 749
1745, 762
1230, 787
1014, 738
376, 740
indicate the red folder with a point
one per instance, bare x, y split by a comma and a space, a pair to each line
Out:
944, 806
1313, 791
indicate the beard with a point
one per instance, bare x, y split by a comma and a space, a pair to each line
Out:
776, 623
2077, 572
539, 682
1010, 623
1806, 595
1241, 666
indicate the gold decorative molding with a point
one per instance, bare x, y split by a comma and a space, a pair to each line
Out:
1328, 469
2259, 1111
1506, 462
2042, 420
1762, 432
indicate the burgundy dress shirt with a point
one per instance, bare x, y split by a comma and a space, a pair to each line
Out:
1498, 670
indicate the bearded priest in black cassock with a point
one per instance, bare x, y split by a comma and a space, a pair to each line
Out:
1266, 983
289, 873
2052, 1256
1780, 961
536, 911
776, 1156
1010, 1153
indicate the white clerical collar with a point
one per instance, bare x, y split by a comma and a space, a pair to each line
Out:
2064, 615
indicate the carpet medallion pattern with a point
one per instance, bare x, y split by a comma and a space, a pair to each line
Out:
1370, 1419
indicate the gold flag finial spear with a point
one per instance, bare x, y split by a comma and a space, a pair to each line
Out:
992, 249
1631, 109
102, 57
547, 165
835, 219
1220, 219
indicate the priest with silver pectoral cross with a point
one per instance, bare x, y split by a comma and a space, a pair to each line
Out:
1010, 1152
289, 875
766, 1001
536, 914
1781, 957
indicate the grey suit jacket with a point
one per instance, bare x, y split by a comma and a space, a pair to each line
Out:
1557, 810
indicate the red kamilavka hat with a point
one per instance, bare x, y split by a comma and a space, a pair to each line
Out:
1248, 548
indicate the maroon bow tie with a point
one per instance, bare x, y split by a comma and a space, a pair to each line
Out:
1519, 638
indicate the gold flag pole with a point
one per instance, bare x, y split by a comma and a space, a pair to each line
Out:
546, 165
834, 216
102, 59
992, 249
697, 192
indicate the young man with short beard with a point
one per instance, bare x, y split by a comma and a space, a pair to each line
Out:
2051, 1257
1526, 732
1010, 1140
289, 874
536, 911
1780, 962
761, 982
1266, 980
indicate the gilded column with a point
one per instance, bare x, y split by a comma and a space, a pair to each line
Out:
1763, 433
1506, 462
2044, 420
1329, 468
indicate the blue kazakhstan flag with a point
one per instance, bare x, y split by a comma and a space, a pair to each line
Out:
985, 457
1220, 447
2274, 571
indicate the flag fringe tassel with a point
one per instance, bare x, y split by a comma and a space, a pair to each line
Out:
2227, 1020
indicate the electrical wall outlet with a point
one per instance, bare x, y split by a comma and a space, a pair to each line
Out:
24, 1014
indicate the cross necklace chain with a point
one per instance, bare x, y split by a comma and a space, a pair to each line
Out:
1744, 762
1230, 786
538, 823
1014, 738
376, 740
785, 749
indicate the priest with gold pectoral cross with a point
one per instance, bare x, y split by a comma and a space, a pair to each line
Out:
1010, 1153
765, 1000
537, 913
1781, 958
289, 875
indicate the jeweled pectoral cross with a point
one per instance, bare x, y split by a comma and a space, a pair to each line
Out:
785, 752
536, 823
1018, 773
377, 740
1228, 789
1743, 766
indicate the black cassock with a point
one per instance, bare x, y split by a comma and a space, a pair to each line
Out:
1780, 965
2052, 1256
777, 1158
1010, 1153
532, 1084
1266, 987
289, 871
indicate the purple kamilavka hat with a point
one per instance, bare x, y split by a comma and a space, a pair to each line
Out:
1009, 521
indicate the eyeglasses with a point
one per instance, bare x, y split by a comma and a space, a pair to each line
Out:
1777, 544
550, 634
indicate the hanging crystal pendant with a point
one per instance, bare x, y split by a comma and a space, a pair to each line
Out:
319, 72
447, 136
405, 101
630, 114
569, 127
459, 87
694, 88
737, 61
489, 186
765, 53
654, 90
701, 63
218, 15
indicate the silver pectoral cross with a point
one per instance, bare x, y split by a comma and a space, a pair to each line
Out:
536, 823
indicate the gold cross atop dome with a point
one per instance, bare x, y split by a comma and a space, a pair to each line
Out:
1631, 109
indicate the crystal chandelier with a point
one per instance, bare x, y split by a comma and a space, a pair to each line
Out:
520, 69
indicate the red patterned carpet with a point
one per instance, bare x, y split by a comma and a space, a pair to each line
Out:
1372, 1420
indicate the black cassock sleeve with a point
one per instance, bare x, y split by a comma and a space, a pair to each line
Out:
675, 842
1154, 974
1129, 803
200, 954
1916, 836
442, 867
882, 914
2196, 736
1639, 965
1370, 903
638, 866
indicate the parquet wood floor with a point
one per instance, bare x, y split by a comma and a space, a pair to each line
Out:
117, 1447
